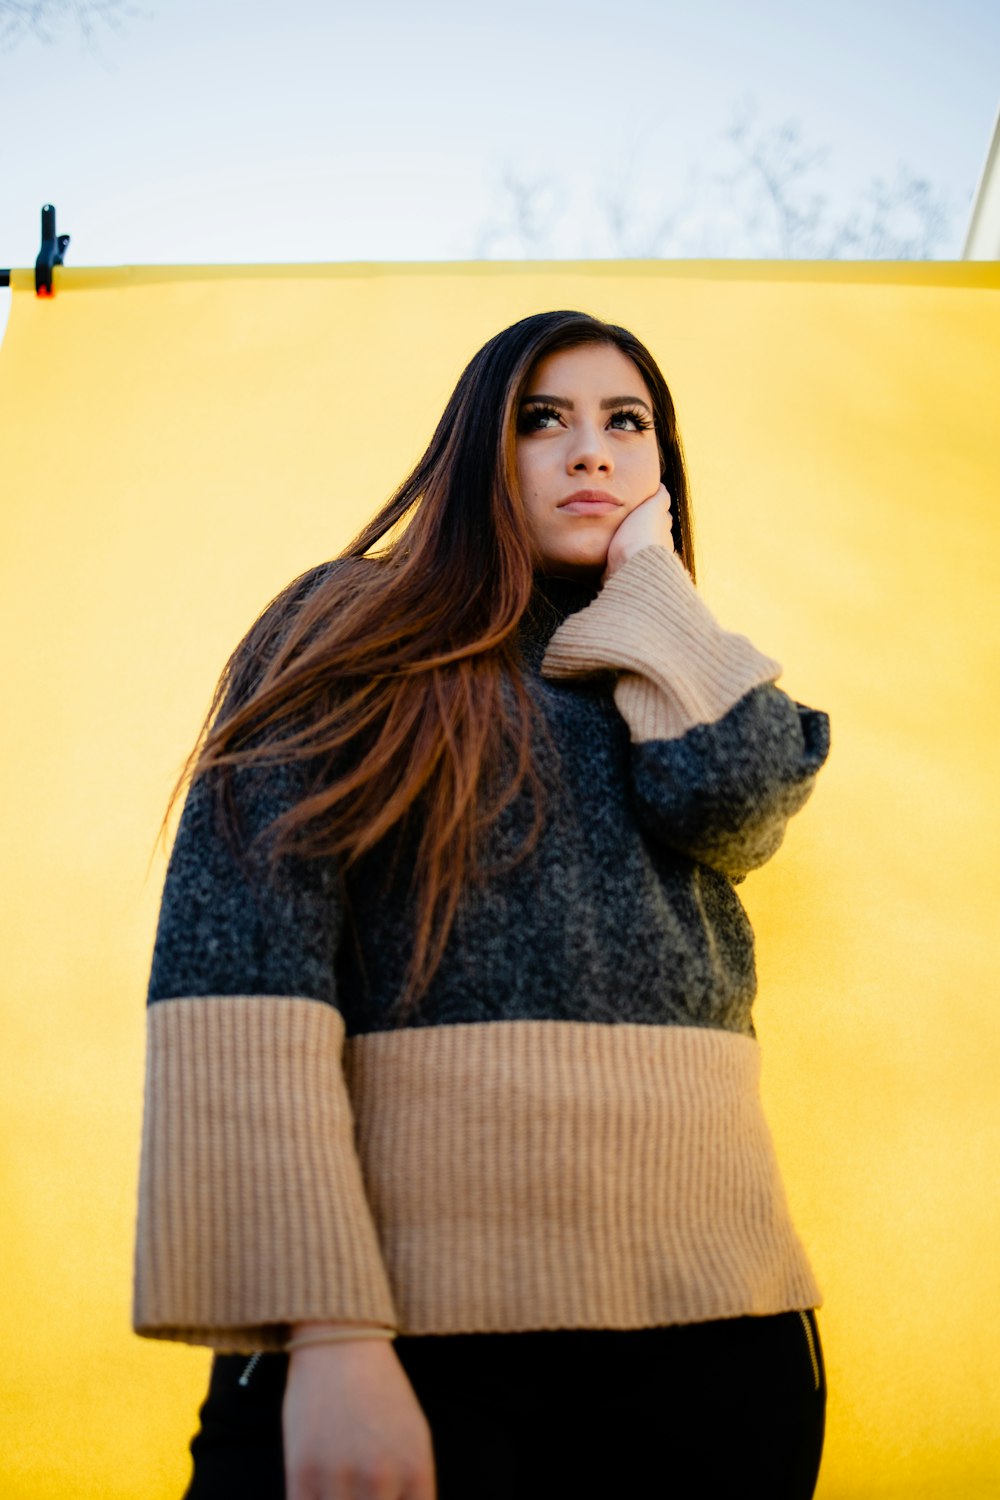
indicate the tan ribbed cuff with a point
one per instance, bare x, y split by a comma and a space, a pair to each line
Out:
677, 666
338, 1336
252, 1208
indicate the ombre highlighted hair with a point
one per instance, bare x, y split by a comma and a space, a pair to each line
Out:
389, 679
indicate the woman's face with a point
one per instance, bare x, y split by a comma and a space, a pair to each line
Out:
584, 429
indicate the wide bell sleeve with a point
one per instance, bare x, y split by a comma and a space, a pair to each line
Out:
720, 757
252, 1210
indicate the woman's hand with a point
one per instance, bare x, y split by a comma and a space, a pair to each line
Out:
353, 1426
649, 522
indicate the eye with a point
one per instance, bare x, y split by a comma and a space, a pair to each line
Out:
537, 418
633, 415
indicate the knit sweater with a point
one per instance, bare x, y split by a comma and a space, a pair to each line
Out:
567, 1132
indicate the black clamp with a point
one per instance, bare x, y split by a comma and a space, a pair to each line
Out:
51, 254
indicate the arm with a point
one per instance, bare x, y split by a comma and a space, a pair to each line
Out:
721, 757
252, 1210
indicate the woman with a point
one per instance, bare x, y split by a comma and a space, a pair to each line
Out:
453, 1145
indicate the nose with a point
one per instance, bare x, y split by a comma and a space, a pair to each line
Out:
590, 451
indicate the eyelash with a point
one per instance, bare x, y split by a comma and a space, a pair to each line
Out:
526, 420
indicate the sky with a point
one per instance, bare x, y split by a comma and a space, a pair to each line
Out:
220, 131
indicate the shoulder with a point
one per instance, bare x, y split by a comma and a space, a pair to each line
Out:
325, 582
337, 575
301, 605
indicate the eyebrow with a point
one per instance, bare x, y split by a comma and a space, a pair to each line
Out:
605, 405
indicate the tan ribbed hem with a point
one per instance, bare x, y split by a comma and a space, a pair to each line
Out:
677, 666
558, 1174
252, 1211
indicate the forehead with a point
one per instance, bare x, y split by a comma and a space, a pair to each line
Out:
599, 369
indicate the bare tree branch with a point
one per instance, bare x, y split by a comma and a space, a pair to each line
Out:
772, 202
23, 18
777, 160
629, 238
527, 210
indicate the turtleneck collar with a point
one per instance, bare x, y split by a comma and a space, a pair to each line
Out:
553, 599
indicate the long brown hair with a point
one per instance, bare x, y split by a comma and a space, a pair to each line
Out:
402, 657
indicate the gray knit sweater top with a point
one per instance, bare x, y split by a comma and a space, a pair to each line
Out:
567, 1131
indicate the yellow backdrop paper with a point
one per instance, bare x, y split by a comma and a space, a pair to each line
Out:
178, 443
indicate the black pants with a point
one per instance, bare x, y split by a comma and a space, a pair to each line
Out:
706, 1410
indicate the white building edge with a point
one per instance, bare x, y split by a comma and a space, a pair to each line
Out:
982, 239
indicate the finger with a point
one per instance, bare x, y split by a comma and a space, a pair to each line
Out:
423, 1488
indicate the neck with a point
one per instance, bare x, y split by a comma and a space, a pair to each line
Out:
553, 598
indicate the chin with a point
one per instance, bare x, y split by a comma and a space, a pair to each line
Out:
582, 555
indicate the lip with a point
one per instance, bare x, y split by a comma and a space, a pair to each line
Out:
590, 500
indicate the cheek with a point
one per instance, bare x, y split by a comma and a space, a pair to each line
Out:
654, 464
529, 474
645, 469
